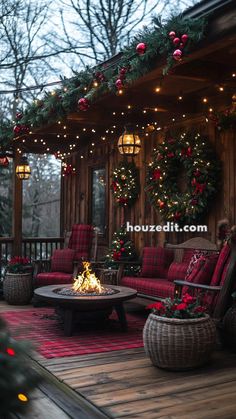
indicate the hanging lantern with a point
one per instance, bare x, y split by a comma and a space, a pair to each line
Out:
23, 170
4, 161
129, 142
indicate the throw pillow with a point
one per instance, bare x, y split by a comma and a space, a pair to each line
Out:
177, 271
203, 270
155, 261
62, 260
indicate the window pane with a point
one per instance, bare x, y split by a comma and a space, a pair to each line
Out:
41, 197
98, 199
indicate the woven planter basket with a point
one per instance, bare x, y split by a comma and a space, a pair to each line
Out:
179, 344
18, 288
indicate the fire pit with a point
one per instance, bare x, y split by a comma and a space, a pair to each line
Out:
86, 299
86, 284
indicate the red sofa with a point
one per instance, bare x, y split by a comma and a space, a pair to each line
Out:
160, 270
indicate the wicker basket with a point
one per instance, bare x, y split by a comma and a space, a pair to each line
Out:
179, 344
18, 288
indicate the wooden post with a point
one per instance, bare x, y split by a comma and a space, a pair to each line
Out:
17, 209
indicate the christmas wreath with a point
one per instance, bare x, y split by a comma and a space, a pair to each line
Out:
192, 156
125, 184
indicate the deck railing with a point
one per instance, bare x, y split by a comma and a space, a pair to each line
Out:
33, 248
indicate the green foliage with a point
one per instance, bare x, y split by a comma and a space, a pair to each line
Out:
121, 249
57, 104
15, 378
193, 155
125, 184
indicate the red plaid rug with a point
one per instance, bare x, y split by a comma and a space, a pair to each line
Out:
42, 327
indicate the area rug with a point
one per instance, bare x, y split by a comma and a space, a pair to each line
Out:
43, 328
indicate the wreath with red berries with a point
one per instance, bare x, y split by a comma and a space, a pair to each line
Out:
191, 156
125, 184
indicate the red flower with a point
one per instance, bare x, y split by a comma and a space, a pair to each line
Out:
156, 174
157, 306
188, 299
200, 309
181, 306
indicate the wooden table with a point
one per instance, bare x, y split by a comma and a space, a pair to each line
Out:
73, 307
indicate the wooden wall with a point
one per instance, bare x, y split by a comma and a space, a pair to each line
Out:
76, 195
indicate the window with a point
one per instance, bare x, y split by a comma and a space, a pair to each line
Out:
98, 208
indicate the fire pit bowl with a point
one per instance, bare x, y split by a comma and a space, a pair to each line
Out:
76, 308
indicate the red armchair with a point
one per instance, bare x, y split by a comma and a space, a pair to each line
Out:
65, 263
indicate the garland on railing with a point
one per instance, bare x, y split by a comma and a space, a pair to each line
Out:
193, 154
125, 184
178, 34
224, 120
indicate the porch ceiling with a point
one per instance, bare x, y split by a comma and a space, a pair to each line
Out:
200, 75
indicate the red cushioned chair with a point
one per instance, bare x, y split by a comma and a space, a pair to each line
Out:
216, 295
65, 263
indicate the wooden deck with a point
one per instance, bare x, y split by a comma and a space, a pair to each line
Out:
124, 384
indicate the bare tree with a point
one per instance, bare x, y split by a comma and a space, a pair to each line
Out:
105, 26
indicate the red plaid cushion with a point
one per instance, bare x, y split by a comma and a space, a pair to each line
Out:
53, 278
161, 288
222, 260
203, 270
177, 271
81, 240
62, 260
156, 261
188, 254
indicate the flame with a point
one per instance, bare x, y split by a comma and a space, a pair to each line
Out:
87, 282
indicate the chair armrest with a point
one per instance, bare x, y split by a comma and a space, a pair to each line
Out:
181, 284
43, 265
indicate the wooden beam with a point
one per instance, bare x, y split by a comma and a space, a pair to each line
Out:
17, 209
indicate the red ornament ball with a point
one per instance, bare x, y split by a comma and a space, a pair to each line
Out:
172, 34
121, 242
83, 104
17, 129
177, 54
123, 72
184, 38
19, 115
176, 41
119, 84
141, 48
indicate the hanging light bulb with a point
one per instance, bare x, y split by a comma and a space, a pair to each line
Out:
23, 170
129, 142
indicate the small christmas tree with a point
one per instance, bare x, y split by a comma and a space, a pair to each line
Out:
121, 249
17, 378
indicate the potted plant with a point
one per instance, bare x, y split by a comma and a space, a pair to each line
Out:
17, 282
178, 334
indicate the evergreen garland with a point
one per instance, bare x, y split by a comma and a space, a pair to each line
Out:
192, 154
131, 66
17, 380
125, 184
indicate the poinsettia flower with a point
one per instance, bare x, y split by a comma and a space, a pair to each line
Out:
188, 299
181, 306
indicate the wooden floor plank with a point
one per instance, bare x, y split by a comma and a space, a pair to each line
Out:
138, 393
200, 396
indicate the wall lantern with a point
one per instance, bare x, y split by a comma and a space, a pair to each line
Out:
23, 170
129, 143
